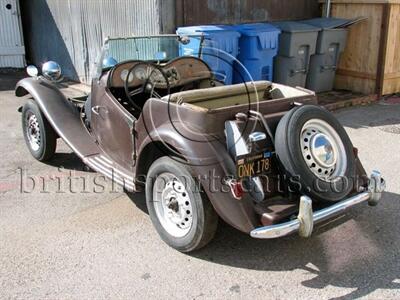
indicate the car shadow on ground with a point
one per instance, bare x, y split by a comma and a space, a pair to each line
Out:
384, 117
9, 78
139, 200
358, 251
68, 161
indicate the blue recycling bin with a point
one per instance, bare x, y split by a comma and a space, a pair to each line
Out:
259, 43
220, 48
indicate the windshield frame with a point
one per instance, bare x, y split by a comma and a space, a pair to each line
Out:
100, 69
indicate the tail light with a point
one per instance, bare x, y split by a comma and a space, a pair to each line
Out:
236, 188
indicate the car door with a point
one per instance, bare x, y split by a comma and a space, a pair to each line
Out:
113, 128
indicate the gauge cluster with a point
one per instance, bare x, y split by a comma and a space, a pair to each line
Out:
176, 73
172, 75
124, 75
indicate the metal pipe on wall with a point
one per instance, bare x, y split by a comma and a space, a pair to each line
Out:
328, 8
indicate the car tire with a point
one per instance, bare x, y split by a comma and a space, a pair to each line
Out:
40, 137
316, 153
180, 212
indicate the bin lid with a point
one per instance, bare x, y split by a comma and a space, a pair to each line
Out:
225, 37
293, 27
328, 23
267, 34
255, 29
208, 29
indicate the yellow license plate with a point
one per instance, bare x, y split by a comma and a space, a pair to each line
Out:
253, 165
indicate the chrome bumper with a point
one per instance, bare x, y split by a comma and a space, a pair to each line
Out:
304, 223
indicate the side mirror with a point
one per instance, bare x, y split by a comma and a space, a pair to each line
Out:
32, 71
51, 70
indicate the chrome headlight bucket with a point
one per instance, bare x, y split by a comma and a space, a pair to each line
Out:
51, 70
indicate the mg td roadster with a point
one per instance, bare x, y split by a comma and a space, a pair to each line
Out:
263, 157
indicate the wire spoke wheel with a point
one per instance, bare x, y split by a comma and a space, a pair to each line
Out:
39, 136
33, 131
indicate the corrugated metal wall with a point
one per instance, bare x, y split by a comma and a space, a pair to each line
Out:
12, 51
71, 32
195, 12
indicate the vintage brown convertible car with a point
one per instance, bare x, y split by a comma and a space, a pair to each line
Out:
262, 156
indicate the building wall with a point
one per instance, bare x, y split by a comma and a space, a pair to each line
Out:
195, 12
71, 32
12, 51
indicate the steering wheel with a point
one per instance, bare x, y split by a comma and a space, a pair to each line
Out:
150, 75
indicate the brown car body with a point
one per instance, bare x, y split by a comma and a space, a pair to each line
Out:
123, 146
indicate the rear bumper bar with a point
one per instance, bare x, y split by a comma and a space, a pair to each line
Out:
304, 223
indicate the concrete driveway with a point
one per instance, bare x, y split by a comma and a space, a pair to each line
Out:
91, 243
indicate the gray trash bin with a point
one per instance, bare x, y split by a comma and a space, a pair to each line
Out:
297, 43
331, 43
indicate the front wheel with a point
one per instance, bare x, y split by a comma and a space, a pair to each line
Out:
181, 213
40, 137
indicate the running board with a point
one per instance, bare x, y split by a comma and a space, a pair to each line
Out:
105, 166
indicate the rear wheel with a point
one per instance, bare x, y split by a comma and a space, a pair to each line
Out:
316, 152
40, 137
181, 213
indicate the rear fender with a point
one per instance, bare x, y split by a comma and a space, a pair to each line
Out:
210, 163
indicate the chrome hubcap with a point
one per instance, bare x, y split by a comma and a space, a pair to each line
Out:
172, 205
323, 150
33, 132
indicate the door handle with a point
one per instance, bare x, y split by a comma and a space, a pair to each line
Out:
294, 72
96, 109
327, 68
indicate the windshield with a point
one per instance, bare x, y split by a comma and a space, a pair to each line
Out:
151, 48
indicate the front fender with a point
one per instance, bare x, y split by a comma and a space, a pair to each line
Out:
210, 164
43, 92
63, 116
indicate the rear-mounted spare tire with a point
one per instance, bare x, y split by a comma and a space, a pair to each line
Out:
316, 153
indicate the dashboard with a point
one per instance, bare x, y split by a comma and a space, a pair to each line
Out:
178, 72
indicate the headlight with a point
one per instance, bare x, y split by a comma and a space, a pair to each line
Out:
32, 71
51, 70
